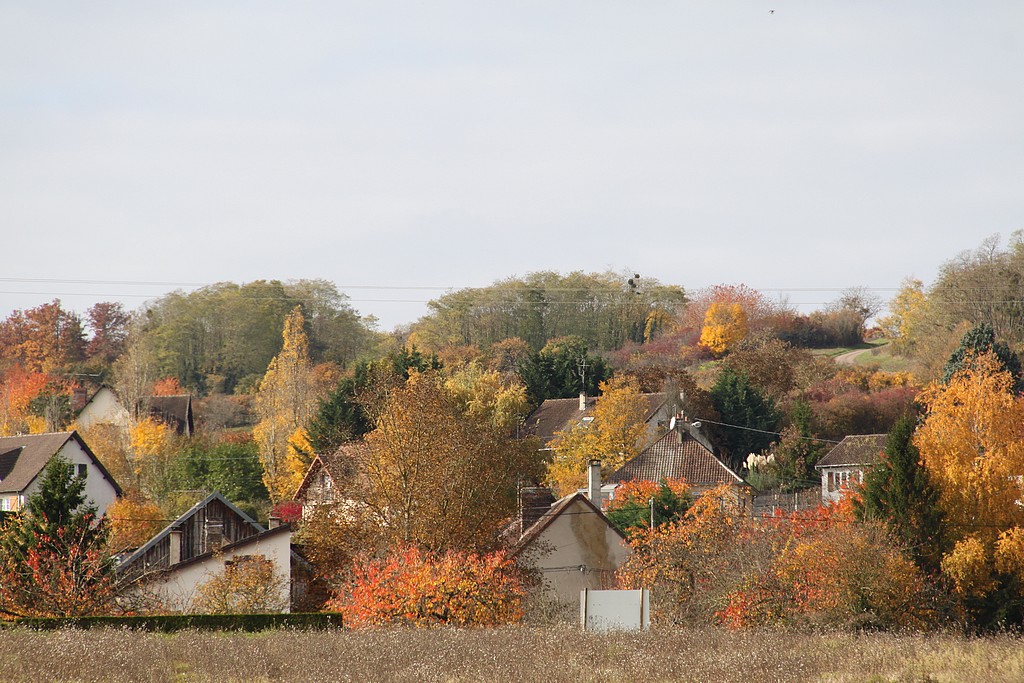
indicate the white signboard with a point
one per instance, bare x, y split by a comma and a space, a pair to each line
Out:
615, 610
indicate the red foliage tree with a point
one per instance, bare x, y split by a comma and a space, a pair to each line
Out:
412, 587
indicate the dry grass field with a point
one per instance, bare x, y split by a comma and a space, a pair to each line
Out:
510, 654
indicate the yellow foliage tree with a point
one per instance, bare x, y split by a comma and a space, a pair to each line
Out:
725, 325
616, 434
285, 400
498, 398
248, 585
133, 521
433, 476
907, 310
972, 441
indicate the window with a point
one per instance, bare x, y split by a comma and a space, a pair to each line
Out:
83, 470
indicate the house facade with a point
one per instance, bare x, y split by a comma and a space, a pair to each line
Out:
104, 407
572, 545
844, 466
23, 459
322, 483
204, 542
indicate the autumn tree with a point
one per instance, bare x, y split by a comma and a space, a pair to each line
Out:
775, 367
691, 563
972, 442
433, 475
18, 390
824, 570
133, 520
412, 587
135, 371
339, 416
46, 338
616, 434
52, 557
109, 324
249, 584
285, 400
499, 399
725, 326
902, 326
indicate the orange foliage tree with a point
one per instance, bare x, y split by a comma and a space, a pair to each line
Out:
827, 569
168, 386
688, 564
412, 587
133, 520
972, 442
18, 388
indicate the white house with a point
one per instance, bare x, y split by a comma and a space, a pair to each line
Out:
572, 545
844, 466
211, 536
23, 459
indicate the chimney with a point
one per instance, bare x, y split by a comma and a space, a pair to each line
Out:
583, 401
594, 482
534, 501
78, 398
273, 522
175, 554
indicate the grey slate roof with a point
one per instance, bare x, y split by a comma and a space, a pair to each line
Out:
860, 449
24, 456
676, 455
557, 414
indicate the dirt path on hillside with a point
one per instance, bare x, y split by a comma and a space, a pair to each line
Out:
850, 357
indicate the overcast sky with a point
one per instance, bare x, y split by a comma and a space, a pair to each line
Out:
449, 144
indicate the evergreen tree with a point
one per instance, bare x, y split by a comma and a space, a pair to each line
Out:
562, 369
52, 554
899, 491
750, 419
798, 451
976, 341
631, 509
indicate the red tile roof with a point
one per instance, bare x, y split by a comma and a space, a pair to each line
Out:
677, 455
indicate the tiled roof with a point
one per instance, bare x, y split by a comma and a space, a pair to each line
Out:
557, 414
176, 410
677, 455
23, 457
549, 517
860, 449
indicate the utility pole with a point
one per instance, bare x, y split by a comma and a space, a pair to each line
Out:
582, 366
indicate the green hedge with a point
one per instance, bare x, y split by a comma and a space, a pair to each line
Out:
178, 622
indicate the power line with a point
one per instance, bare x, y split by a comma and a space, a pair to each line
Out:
761, 431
